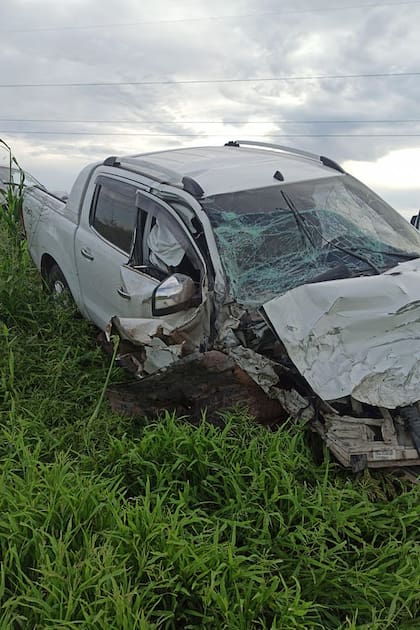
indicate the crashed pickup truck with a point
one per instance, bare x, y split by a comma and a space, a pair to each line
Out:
250, 272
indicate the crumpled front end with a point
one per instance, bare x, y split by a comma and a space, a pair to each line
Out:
356, 342
357, 336
342, 357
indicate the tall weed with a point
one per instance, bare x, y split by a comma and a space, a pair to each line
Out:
11, 198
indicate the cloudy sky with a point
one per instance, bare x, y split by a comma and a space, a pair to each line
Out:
180, 73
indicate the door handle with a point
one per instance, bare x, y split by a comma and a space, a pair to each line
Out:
123, 294
86, 253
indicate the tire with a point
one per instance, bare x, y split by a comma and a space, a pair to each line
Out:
57, 285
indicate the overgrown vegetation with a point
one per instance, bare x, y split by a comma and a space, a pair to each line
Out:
110, 523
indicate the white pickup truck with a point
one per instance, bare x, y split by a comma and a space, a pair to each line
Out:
271, 255
92, 245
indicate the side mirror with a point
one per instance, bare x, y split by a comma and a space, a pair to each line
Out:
415, 220
174, 294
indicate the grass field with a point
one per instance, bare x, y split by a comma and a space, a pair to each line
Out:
109, 523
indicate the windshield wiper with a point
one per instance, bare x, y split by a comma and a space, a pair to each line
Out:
339, 272
350, 252
299, 219
403, 255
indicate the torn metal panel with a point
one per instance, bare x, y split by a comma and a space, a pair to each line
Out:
259, 368
161, 344
141, 331
356, 336
298, 407
159, 355
263, 372
157, 343
140, 288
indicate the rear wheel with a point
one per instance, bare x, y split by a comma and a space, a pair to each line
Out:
57, 285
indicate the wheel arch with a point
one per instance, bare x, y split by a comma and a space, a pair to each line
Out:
47, 262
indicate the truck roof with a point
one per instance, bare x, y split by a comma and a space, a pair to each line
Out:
234, 167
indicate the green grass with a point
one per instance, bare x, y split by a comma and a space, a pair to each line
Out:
111, 523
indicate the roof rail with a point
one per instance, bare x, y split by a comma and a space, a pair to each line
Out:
143, 167
157, 173
279, 147
166, 175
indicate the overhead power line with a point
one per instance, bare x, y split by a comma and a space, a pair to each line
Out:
279, 121
320, 77
211, 17
203, 135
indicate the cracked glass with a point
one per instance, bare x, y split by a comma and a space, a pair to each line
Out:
273, 239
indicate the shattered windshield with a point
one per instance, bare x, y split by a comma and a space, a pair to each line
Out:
274, 239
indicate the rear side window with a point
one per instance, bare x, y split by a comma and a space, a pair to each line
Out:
114, 212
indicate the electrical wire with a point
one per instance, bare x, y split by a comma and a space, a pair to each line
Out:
321, 77
204, 135
211, 18
388, 121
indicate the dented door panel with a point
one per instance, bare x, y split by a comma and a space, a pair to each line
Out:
137, 287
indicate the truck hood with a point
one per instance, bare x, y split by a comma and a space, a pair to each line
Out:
355, 336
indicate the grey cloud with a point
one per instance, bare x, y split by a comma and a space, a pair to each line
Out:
342, 42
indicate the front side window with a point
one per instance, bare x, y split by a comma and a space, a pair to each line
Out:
114, 212
162, 246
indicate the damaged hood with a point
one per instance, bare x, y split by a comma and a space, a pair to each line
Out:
356, 336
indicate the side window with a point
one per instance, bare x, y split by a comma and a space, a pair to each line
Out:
163, 245
113, 213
